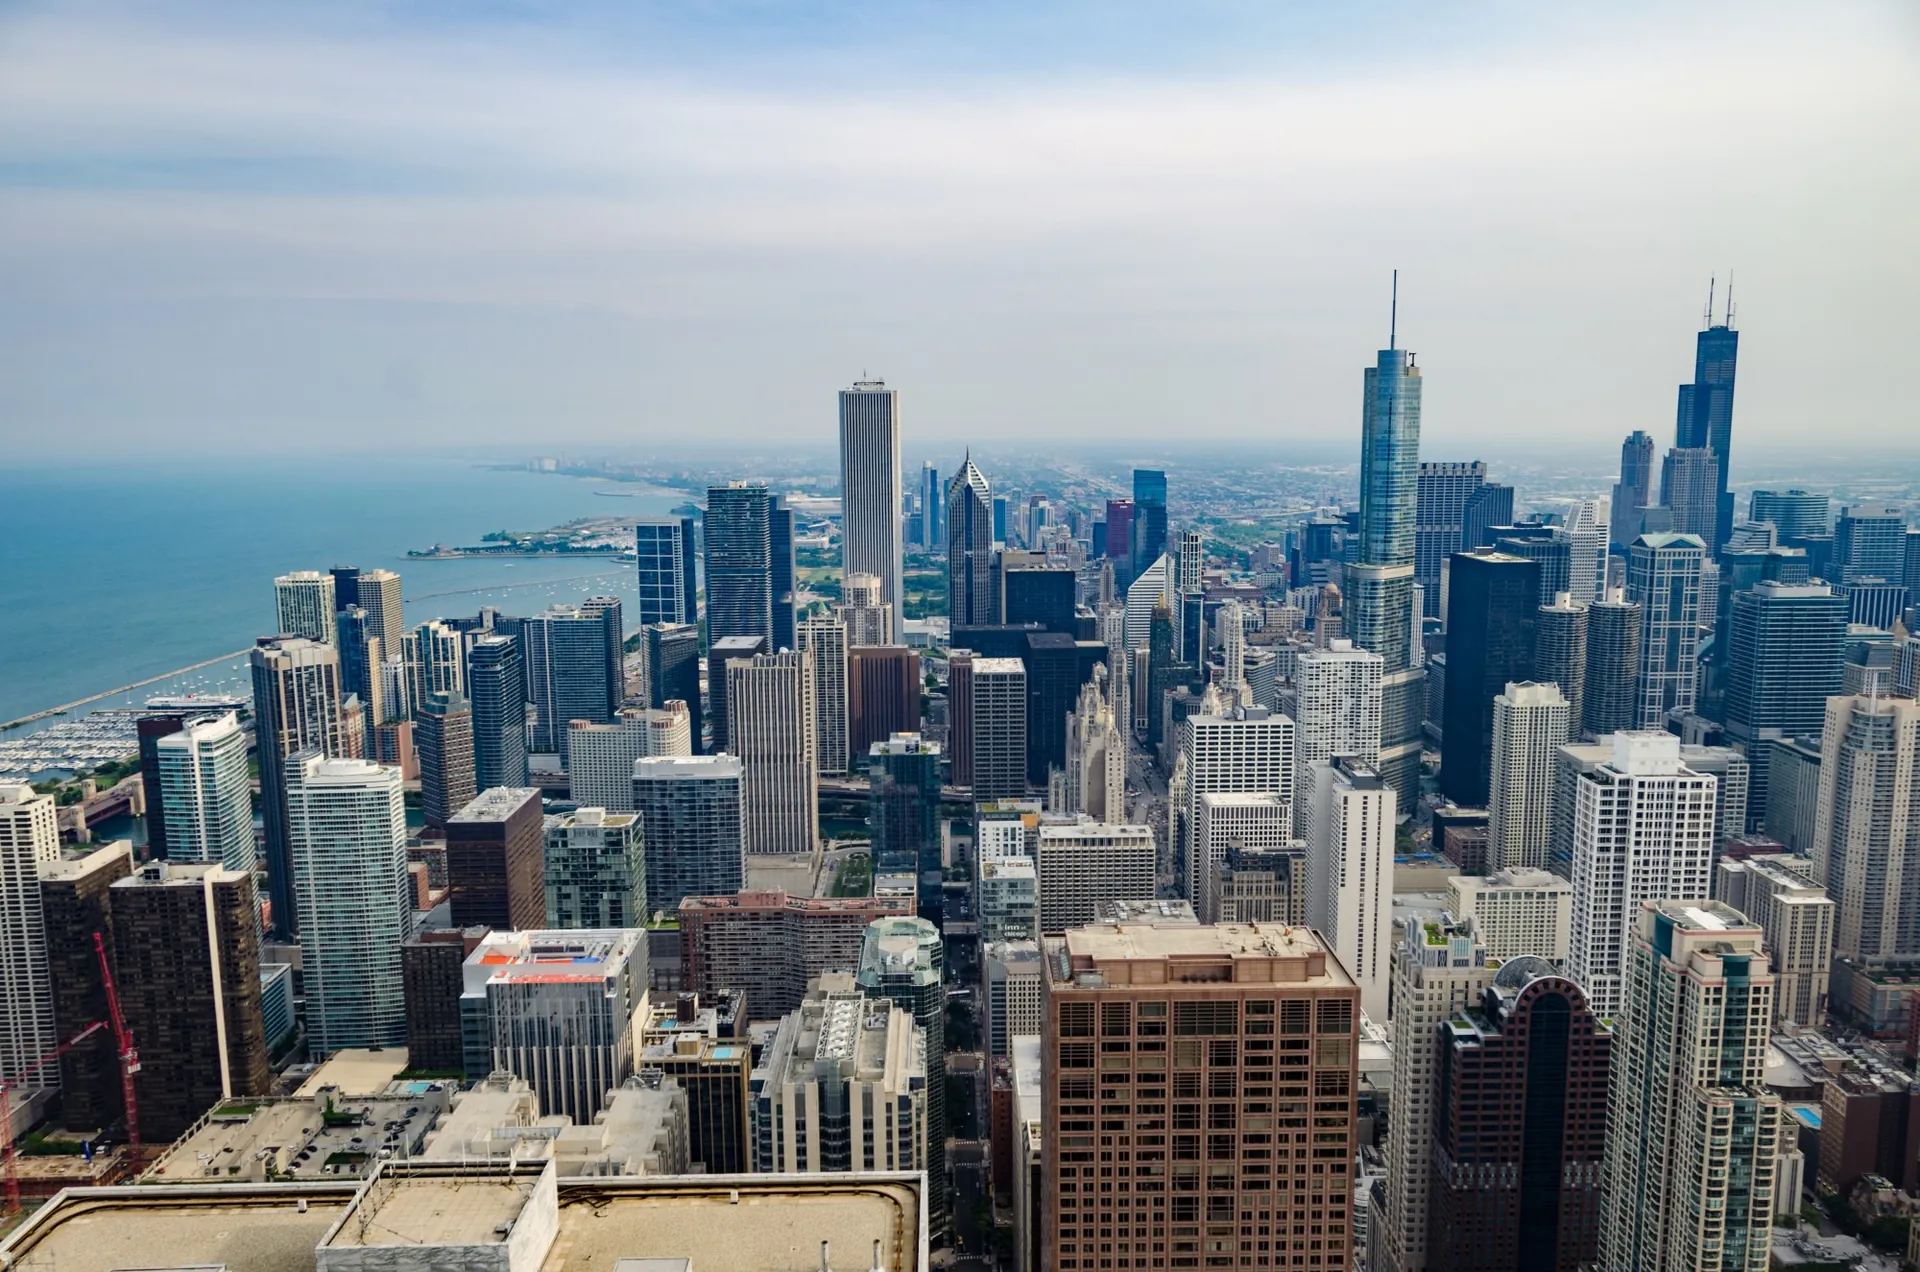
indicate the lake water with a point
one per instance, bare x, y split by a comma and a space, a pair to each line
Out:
110, 574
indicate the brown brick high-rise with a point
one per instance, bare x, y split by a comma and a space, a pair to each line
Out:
496, 861
768, 945
430, 963
191, 1001
1200, 1086
73, 897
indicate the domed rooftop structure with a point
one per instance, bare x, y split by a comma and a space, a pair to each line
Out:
1518, 973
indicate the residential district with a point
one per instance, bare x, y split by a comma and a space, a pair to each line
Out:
945, 870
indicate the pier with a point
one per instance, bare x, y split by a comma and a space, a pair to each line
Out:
65, 707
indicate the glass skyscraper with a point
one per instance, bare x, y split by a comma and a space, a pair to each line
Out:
1706, 409
668, 576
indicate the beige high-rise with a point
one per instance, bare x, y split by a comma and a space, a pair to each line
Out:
826, 639
304, 604
1199, 1098
771, 727
29, 835
1866, 838
1530, 724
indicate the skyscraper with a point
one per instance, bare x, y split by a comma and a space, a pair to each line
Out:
770, 726
883, 695
867, 618
186, 955
207, 793
1867, 827
600, 757
903, 775
932, 504
1151, 587
739, 543
497, 688
495, 860
574, 662
1491, 506
1240, 750
1785, 661
443, 732
1443, 492
1690, 487
1642, 831
1120, 540
1870, 541
347, 839
1213, 993
1560, 651
969, 528
784, 578
1794, 513
1688, 1177
296, 707
29, 835
999, 728
960, 719
767, 945
725, 650
74, 905
436, 656
673, 671
871, 499
1530, 724
1492, 607
825, 640
668, 572
1586, 551
1337, 708
1610, 692
1350, 872
902, 960
1522, 1125
378, 593
1705, 415
1663, 576
1380, 582
1149, 528
1634, 490
1081, 864
595, 870
1778, 892
304, 601
690, 812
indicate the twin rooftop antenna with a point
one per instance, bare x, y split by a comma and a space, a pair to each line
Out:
1707, 318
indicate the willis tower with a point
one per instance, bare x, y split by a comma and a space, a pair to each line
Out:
1706, 406
1381, 613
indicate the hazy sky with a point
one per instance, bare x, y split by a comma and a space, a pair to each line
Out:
247, 226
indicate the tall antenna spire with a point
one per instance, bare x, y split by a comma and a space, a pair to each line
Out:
1708, 320
1393, 314
1729, 300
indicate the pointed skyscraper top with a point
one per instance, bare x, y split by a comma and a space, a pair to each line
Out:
1393, 314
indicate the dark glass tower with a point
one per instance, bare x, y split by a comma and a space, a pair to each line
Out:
668, 573
1149, 530
1521, 1098
673, 671
573, 657
1445, 490
970, 535
781, 572
1787, 646
497, 688
1705, 417
1634, 490
1493, 609
296, 707
739, 545
903, 774
1794, 513
1490, 506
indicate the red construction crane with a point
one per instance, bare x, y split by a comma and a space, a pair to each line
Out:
6, 1112
129, 1057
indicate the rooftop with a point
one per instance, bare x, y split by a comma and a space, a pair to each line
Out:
1145, 912
1254, 953
435, 1208
357, 1071
497, 804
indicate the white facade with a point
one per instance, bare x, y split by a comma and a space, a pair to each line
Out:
347, 839
1250, 750
1866, 836
1588, 525
1642, 831
29, 835
1096, 771
867, 617
1337, 704
600, 757
826, 639
1515, 913
207, 794
436, 658
380, 598
1779, 893
1146, 591
1350, 886
770, 725
1015, 979
870, 496
1693, 1132
304, 604
1084, 863
1438, 973
1255, 821
1530, 724
1008, 892
1663, 575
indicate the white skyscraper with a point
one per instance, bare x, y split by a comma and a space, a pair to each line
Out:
868, 618
347, 838
1692, 1129
1337, 704
1080, 864
29, 835
1587, 530
1260, 823
1530, 724
1233, 651
1439, 973
1350, 872
1250, 750
207, 794
826, 640
380, 598
1663, 577
770, 726
1096, 774
1866, 836
436, 661
304, 600
1154, 585
1642, 831
870, 496
600, 756
1515, 913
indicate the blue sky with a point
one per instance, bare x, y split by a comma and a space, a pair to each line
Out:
238, 227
